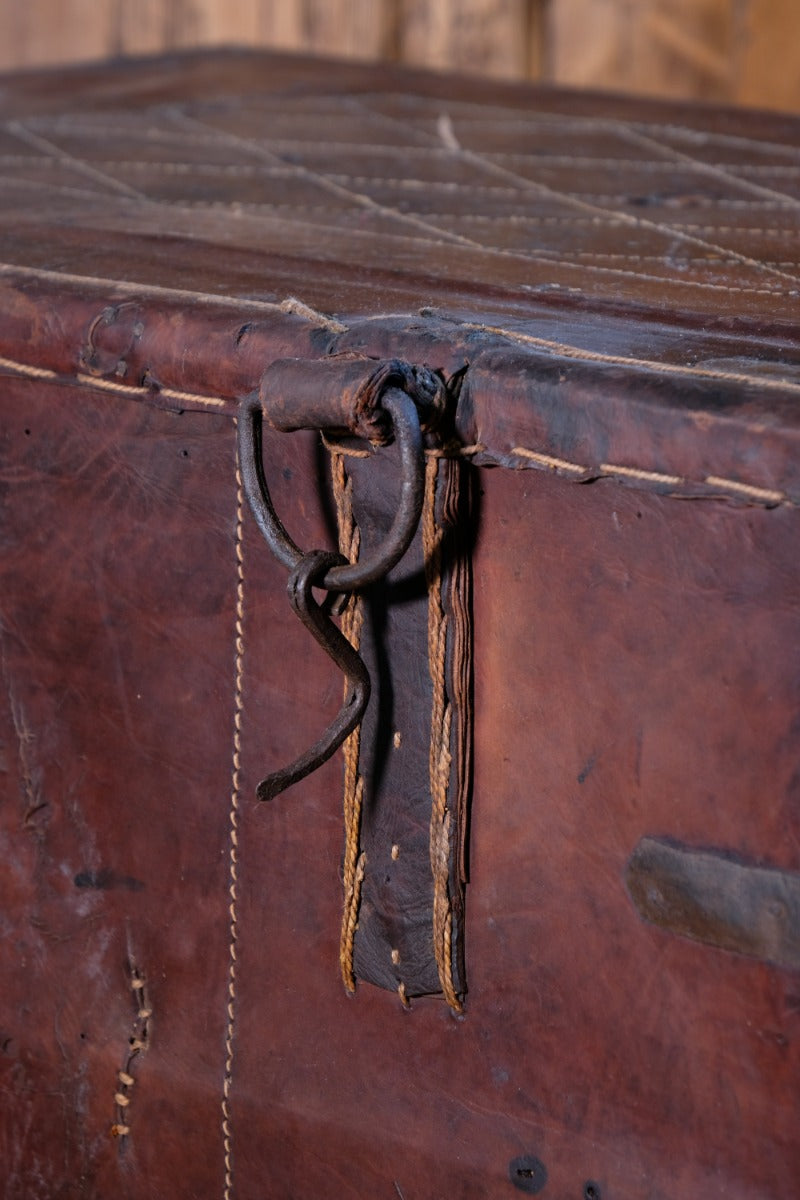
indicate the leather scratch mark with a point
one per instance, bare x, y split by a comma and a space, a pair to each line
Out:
34, 805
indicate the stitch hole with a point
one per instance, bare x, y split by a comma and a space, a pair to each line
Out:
528, 1174
27, 433
184, 453
591, 1190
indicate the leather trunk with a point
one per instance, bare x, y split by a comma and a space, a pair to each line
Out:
602, 297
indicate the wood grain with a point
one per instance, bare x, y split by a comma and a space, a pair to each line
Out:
354, 28
43, 32
768, 61
142, 27
488, 37
661, 47
744, 51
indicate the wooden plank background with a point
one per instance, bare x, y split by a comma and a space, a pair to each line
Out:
742, 51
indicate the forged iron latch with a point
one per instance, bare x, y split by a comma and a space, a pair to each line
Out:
379, 401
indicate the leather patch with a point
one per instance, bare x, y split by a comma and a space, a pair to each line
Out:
415, 740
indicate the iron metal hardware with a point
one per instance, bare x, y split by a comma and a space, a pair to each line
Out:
343, 577
309, 572
366, 406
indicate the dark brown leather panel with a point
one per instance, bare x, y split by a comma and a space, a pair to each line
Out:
394, 941
636, 658
680, 436
671, 426
365, 190
117, 627
647, 682
211, 352
634, 675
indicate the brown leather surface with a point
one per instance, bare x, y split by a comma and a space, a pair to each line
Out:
446, 183
642, 230
636, 674
586, 414
636, 655
179, 224
114, 787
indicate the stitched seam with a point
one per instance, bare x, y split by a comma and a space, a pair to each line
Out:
240, 304
766, 494
325, 181
445, 237
138, 1043
766, 231
661, 227
71, 163
769, 495
490, 115
697, 165
542, 257
482, 162
565, 350
636, 473
109, 385
354, 865
542, 160
439, 756
127, 389
233, 854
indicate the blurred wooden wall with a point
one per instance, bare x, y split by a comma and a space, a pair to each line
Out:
743, 51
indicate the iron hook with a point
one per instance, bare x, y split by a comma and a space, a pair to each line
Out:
308, 573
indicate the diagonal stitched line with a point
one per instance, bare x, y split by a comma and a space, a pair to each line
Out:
543, 189
629, 131
493, 115
543, 257
629, 219
695, 164
454, 146
325, 181
410, 218
18, 130
726, 139
368, 149
429, 227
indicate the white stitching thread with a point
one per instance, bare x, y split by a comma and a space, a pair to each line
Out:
233, 857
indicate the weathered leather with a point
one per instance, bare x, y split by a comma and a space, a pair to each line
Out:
635, 562
341, 394
408, 931
396, 913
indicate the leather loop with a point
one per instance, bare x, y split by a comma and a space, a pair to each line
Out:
352, 576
